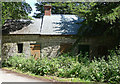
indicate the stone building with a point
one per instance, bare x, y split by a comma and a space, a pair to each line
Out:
47, 36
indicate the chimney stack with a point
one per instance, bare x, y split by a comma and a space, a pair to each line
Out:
47, 10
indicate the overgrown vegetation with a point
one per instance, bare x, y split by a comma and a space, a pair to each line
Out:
15, 10
67, 66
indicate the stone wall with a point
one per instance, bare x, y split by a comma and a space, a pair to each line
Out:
50, 45
8, 49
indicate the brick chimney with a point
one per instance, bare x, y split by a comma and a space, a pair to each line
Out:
47, 10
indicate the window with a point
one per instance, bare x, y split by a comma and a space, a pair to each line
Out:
20, 48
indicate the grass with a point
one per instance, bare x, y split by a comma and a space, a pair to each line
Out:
49, 78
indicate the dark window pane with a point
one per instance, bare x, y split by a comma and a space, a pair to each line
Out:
20, 48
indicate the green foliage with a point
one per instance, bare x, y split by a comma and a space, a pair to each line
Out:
15, 10
98, 70
57, 8
90, 11
101, 18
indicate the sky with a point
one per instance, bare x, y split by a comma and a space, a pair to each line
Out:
32, 4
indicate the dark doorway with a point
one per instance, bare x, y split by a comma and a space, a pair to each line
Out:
83, 49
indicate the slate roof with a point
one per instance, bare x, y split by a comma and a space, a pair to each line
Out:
49, 25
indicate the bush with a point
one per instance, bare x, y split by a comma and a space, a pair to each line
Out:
98, 70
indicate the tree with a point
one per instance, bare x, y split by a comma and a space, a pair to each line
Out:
57, 8
100, 18
15, 10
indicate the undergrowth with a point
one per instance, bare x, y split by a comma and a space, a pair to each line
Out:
67, 66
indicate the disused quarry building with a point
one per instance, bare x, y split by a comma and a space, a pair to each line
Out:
47, 36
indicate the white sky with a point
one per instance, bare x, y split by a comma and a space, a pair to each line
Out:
32, 4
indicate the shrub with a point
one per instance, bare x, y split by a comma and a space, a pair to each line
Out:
98, 70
